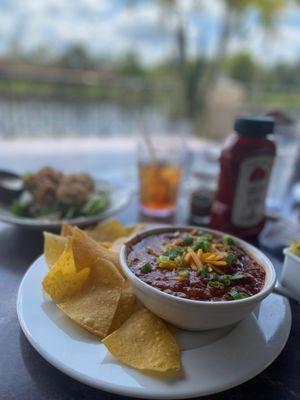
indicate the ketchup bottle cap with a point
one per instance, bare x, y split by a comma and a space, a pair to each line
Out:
254, 125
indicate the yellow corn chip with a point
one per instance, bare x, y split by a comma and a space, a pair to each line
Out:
125, 308
107, 231
135, 229
118, 243
105, 244
145, 343
87, 251
63, 280
54, 246
67, 230
61, 286
95, 305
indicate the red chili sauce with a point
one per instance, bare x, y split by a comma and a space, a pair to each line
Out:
196, 265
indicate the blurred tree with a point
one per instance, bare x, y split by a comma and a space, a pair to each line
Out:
41, 55
283, 75
241, 67
131, 65
77, 56
198, 77
232, 21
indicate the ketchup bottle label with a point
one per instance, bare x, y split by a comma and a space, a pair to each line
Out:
251, 188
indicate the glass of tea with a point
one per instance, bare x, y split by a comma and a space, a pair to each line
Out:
160, 167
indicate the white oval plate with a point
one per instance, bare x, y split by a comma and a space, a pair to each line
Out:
212, 361
119, 198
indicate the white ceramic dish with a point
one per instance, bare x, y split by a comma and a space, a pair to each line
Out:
119, 198
196, 314
290, 276
211, 361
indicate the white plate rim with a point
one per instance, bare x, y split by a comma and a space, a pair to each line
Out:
136, 392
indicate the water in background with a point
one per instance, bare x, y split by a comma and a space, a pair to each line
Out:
38, 118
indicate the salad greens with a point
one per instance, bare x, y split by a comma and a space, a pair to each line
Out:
51, 194
25, 207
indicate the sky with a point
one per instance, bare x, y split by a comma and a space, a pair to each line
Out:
112, 28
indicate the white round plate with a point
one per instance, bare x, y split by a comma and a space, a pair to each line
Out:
212, 361
119, 198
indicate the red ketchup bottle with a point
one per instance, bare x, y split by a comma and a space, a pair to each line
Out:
246, 163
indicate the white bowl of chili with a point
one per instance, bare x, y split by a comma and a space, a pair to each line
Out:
219, 289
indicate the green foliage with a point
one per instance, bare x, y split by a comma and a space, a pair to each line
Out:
283, 74
131, 65
76, 56
267, 9
241, 67
278, 100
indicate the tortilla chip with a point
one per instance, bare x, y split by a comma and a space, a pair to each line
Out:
63, 280
136, 229
125, 308
67, 230
144, 342
95, 305
133, 230
107, 231
107, 245
118, 243
87, 251
54, 245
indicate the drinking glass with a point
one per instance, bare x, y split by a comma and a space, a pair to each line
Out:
160, 165
284, 166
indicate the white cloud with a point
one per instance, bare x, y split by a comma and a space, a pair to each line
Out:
285, 45
100, 26
213, 7
282, 43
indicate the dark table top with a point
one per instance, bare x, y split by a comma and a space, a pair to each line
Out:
25, 375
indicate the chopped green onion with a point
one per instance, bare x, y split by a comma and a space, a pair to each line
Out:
226, 279
236, 295
184, 273
211, 276
228, 240
237, 277
205, 268
188, 240
146, 268
162, 259
204, 235
172, 253
204, 271
201, 244
207, 238
214, 284
231, 259
178, 260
